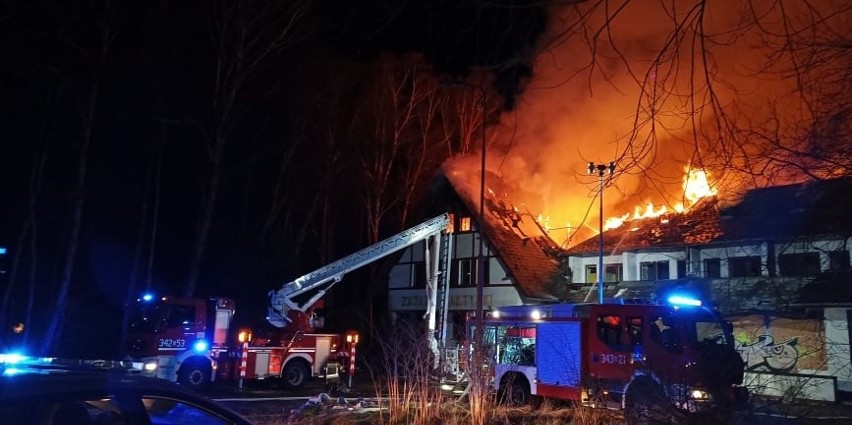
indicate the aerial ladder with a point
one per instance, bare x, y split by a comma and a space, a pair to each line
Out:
285, 311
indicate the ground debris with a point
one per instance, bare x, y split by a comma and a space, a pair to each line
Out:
324, 403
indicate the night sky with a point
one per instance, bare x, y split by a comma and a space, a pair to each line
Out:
148, 89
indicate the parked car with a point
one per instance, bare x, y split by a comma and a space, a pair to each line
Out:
47, 392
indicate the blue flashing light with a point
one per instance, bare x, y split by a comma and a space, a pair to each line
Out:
2, 250
682, 300
200, 346
147, 297
12, 371
12, 358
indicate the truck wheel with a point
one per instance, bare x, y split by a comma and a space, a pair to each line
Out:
295, 374
645, 404
194, 375
515, 391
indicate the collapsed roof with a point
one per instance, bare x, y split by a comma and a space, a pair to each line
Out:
524, 248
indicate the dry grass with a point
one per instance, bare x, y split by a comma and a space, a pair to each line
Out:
402, 373
457, 413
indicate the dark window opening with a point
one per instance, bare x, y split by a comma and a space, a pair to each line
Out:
612, 272
713, 267
744, 266
654, 270
419, 278
801, 264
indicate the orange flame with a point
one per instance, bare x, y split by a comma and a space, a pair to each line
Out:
695, 187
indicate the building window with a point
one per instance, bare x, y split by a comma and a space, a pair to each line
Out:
654, 270
801, 264
712, 268
838, 260
464, 224
464, 272
744, 266
612, 273
591, 274
681, 269
419, 278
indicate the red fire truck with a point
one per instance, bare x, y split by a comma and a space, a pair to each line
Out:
190, 340
641, 357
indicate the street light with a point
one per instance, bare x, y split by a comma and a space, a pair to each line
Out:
601, 169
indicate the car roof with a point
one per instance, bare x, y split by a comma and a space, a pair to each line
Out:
34, 381
58, 381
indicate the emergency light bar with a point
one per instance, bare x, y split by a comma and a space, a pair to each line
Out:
15, 363
681, 300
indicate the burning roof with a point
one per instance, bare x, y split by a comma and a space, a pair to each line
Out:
523, 246
772, 213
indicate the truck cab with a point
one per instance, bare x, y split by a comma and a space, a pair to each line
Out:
627, 355
176, 338
687, 353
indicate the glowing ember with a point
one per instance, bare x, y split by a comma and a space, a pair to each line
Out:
695, 187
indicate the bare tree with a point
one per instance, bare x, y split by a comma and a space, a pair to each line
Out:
399, 87
28, 236
248, 36
87, 103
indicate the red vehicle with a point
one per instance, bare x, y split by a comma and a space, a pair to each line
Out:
190, 340
634, 355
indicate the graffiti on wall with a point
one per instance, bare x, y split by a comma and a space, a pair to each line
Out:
766, 354
781, 345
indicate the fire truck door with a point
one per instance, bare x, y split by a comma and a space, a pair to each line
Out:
323, 350
610, 349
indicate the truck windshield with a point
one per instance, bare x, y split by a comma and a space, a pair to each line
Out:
707, 328
143, 318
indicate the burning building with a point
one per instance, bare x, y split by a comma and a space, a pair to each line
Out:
766, 258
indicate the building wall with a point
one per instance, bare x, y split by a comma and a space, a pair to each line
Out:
724, 254
770, 257
770, 345
405, 294
837, 345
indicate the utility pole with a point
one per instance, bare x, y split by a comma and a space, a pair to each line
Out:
601, 170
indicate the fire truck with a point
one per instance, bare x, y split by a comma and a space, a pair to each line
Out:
190, 340
638, 357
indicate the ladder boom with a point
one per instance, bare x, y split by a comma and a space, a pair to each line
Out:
282, 300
